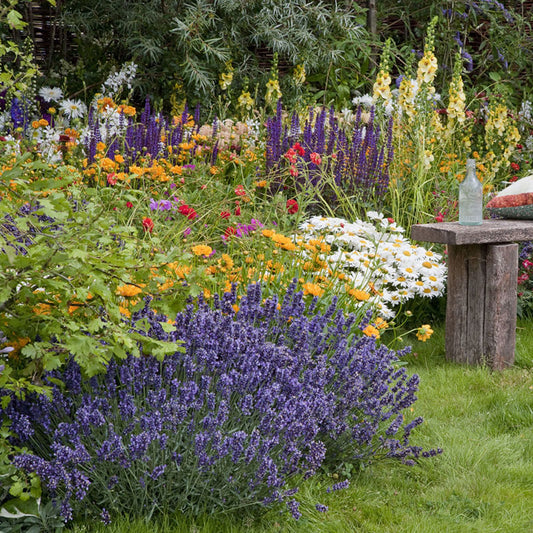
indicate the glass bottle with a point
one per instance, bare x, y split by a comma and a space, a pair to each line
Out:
470, 197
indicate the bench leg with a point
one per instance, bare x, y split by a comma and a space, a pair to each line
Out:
481, 304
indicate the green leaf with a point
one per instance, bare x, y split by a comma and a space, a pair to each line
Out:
5, 293
10, 253
16, 490
14, 19
29, 351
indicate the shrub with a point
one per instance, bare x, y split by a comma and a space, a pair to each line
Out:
256, 397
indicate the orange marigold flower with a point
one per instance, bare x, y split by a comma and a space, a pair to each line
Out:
371, 331
202, 249
128, 290
313, 289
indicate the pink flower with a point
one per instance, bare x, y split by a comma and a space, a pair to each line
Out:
111, 180
315, 158
291, 155
527, 264
293, 171
239, 190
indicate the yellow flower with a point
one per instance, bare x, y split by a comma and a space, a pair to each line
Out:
202, 249
381, 324
427, 67
273, 92
359, 294
128, 290
299, 74
424, 333
246, 101
312, 288
225, 80
371, 331
382, 86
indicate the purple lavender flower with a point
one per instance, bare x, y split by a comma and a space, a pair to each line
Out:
253, 398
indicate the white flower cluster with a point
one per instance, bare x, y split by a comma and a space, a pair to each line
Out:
525, 110
117, 80
375, 259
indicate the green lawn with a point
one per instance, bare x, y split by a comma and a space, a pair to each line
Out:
483, 482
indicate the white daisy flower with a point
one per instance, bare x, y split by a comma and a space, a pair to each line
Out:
73, 108
51, 94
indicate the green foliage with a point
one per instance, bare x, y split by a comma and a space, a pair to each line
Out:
30, 517
190, 43
64, 255
17, 67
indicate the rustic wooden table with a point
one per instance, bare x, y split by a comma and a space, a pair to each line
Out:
481, 288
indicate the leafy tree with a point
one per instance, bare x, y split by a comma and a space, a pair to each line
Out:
190, 44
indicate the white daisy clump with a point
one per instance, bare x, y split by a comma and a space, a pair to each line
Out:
377, 264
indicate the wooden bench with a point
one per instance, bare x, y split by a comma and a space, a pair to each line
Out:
481, 287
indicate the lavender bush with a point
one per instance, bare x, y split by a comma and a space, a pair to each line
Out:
255, 397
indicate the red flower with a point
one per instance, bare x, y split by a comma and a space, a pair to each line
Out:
239, 190
315, 158
527, 264
237, 209
111, 179
292, 206
189, 212
390, 220
129, 205
225, 214
148, 224
291, 155
293, 171
230, 230
439, 218
523, 278
514, 178
298, 148
519, 147
515, 166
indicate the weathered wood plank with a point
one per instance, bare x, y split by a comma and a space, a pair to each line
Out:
491, 231
500, 307
456, 303
475, 313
